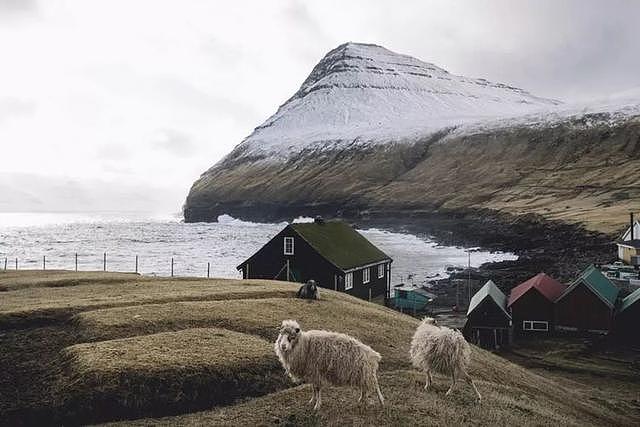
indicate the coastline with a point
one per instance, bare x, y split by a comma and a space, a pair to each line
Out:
560, 249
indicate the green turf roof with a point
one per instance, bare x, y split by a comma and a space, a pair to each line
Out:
630, 299
340, 243
598, 283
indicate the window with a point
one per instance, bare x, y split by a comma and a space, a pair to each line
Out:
366, 275
348, 281
535, 325
380, 271
288, 245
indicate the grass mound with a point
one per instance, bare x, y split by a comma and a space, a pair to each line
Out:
23, 279
390, 336
43, 304
165, 373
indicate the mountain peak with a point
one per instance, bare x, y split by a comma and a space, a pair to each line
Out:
371, 94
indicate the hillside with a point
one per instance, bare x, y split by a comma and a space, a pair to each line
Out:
372, 132
102, 347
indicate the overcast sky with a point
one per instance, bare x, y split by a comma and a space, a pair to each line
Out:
122, 104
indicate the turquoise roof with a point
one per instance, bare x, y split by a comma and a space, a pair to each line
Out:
630, 299
489, 290
598, 283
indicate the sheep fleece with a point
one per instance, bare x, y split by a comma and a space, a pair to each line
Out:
439, 349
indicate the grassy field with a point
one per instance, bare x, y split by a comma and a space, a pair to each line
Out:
99, 347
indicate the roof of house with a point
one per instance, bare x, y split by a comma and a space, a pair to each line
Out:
630, 299
598, 283
635, 243
550, 288
627, 233
492, 291
340, 244
418, 290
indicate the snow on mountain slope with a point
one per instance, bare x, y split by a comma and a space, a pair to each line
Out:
362, 93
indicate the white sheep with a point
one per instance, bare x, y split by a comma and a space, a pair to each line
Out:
442, 350
321, 357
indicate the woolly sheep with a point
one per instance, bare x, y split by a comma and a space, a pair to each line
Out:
322, 357
308, 291
442, 350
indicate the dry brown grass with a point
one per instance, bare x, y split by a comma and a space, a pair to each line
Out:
165, 373
390, 335
151, 347
43, 303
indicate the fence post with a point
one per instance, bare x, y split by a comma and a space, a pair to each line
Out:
208, 269
171, 266
76, 261
16, 263
5, 263
44, 262
104, 262
136, 263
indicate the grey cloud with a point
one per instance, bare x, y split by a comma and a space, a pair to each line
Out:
15, 107
175, 142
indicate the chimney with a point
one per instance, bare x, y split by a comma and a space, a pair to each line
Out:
631, 221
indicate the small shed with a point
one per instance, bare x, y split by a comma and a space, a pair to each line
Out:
488, 321
332, 253
531, 304
412, 299
627, 321
588, 304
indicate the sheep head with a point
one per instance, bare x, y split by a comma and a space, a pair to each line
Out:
289, 334
429, 321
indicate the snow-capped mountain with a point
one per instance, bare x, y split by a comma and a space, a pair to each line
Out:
374, 131
368, 94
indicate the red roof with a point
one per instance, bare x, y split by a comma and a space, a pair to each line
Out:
547, 286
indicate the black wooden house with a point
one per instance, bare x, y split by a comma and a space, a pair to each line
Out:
332, 253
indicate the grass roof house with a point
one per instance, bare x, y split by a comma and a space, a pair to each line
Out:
488, 321
588, 304
531, 304
332, 253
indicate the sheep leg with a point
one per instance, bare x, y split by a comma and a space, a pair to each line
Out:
313, 396
428, 380
453, 383
363, 394
318, 399
378, 392
468, 379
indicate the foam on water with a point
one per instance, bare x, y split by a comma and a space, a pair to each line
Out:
158, 238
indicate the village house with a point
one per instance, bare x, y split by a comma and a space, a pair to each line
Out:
588, 304
629, 244
531, 304
332, 253
488, 321
628, 317
413, 299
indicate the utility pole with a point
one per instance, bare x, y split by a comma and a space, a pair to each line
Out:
469, 278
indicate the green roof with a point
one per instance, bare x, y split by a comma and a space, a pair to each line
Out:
630, 300
491, 290
340, 243
599, 284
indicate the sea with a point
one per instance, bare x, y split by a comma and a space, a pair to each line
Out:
54, 240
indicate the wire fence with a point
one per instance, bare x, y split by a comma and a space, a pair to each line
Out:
15, 263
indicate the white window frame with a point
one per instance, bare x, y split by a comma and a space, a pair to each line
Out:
381, 268
348, 281
288, 240
528, 325
366, 275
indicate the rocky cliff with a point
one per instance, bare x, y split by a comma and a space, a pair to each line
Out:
373, 133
